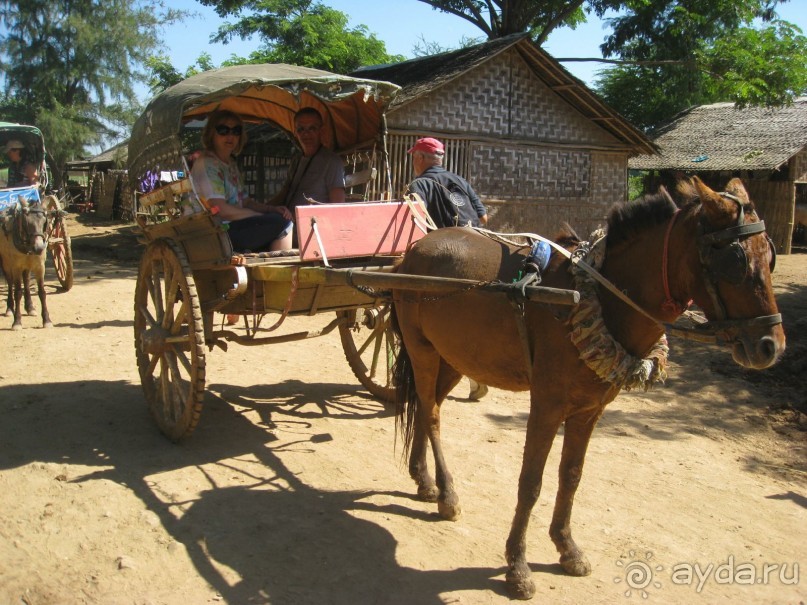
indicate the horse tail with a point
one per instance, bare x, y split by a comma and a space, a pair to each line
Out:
406, 399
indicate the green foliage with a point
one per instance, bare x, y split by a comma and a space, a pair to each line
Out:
636, 183
685, 53
425, 48
70, 66
162, 73
538, 17
300, 32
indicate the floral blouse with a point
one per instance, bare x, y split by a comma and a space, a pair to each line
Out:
213, 179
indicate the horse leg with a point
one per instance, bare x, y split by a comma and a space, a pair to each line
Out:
40, 284
576, 436
9, 299
428, 491
26, 289
541, 430
17, 325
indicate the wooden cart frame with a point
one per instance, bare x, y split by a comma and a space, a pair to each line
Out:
189, 275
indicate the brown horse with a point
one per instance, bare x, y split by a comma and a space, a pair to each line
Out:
713, 250
23, 246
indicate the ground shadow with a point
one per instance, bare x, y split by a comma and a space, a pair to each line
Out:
286, 541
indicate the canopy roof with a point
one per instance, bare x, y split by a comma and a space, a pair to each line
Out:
30, 136
352, 108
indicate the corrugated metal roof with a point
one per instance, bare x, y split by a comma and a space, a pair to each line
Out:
419, 76
722, 137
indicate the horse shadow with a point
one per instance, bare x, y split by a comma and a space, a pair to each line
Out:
282, 540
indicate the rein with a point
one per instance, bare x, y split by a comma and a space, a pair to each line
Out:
670, 304
713, 261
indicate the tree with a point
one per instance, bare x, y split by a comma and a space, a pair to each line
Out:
680, 54
70, 66
499, 18
163, 74
300, 32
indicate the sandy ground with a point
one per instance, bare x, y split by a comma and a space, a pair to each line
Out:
290, 490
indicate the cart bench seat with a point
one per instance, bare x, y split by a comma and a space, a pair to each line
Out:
324, 231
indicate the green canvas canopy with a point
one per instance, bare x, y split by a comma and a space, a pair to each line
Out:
352, 108
30, 136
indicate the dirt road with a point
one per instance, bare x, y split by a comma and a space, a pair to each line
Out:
290, 491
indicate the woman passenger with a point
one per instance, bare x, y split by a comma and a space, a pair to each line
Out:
253, 226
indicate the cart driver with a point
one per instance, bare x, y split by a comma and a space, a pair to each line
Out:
21, 172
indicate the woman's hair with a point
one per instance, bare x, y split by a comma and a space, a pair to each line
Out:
216, 118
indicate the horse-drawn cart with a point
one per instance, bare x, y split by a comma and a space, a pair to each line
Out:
34, 152
190, 278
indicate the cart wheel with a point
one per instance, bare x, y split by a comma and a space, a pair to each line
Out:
169, 339
371, 347
61, 253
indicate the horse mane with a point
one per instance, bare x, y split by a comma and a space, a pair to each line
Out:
627, 219
567, 237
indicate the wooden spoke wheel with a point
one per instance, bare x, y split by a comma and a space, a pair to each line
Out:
169, 339
371, 347
61, 253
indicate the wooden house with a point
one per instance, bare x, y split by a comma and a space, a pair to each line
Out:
100, 184
536, 144
766, 147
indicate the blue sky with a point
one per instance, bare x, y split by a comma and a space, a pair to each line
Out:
401, 24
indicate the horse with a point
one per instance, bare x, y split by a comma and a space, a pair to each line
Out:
23, 247
658, 258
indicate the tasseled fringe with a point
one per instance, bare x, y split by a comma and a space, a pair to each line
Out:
598, 349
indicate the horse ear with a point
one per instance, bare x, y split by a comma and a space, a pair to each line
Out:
685, 191
736, 188
714, 205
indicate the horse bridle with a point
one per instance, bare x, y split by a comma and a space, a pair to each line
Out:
728, 263
22, 237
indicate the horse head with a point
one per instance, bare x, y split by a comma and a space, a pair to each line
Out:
29, 227
731, 272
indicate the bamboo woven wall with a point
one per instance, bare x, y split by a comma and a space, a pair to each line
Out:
774, 201
534, 160
798, 167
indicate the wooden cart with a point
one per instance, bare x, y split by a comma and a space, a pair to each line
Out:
190, 278
58, 239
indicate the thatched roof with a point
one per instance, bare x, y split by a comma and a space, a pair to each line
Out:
420, 76
721, 137
118, 154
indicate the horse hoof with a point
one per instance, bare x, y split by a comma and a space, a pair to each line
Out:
449, 512
16, 327
48, 324
520, 587
428, 494
576, 566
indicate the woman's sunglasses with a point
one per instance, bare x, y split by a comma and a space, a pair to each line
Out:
225, 130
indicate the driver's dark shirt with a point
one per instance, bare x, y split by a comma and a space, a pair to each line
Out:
15, 176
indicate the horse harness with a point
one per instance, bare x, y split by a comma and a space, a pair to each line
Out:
723, 258
23, 238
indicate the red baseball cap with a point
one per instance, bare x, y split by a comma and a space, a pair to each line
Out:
428, 145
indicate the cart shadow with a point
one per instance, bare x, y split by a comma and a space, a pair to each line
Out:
282, 540
303, 400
